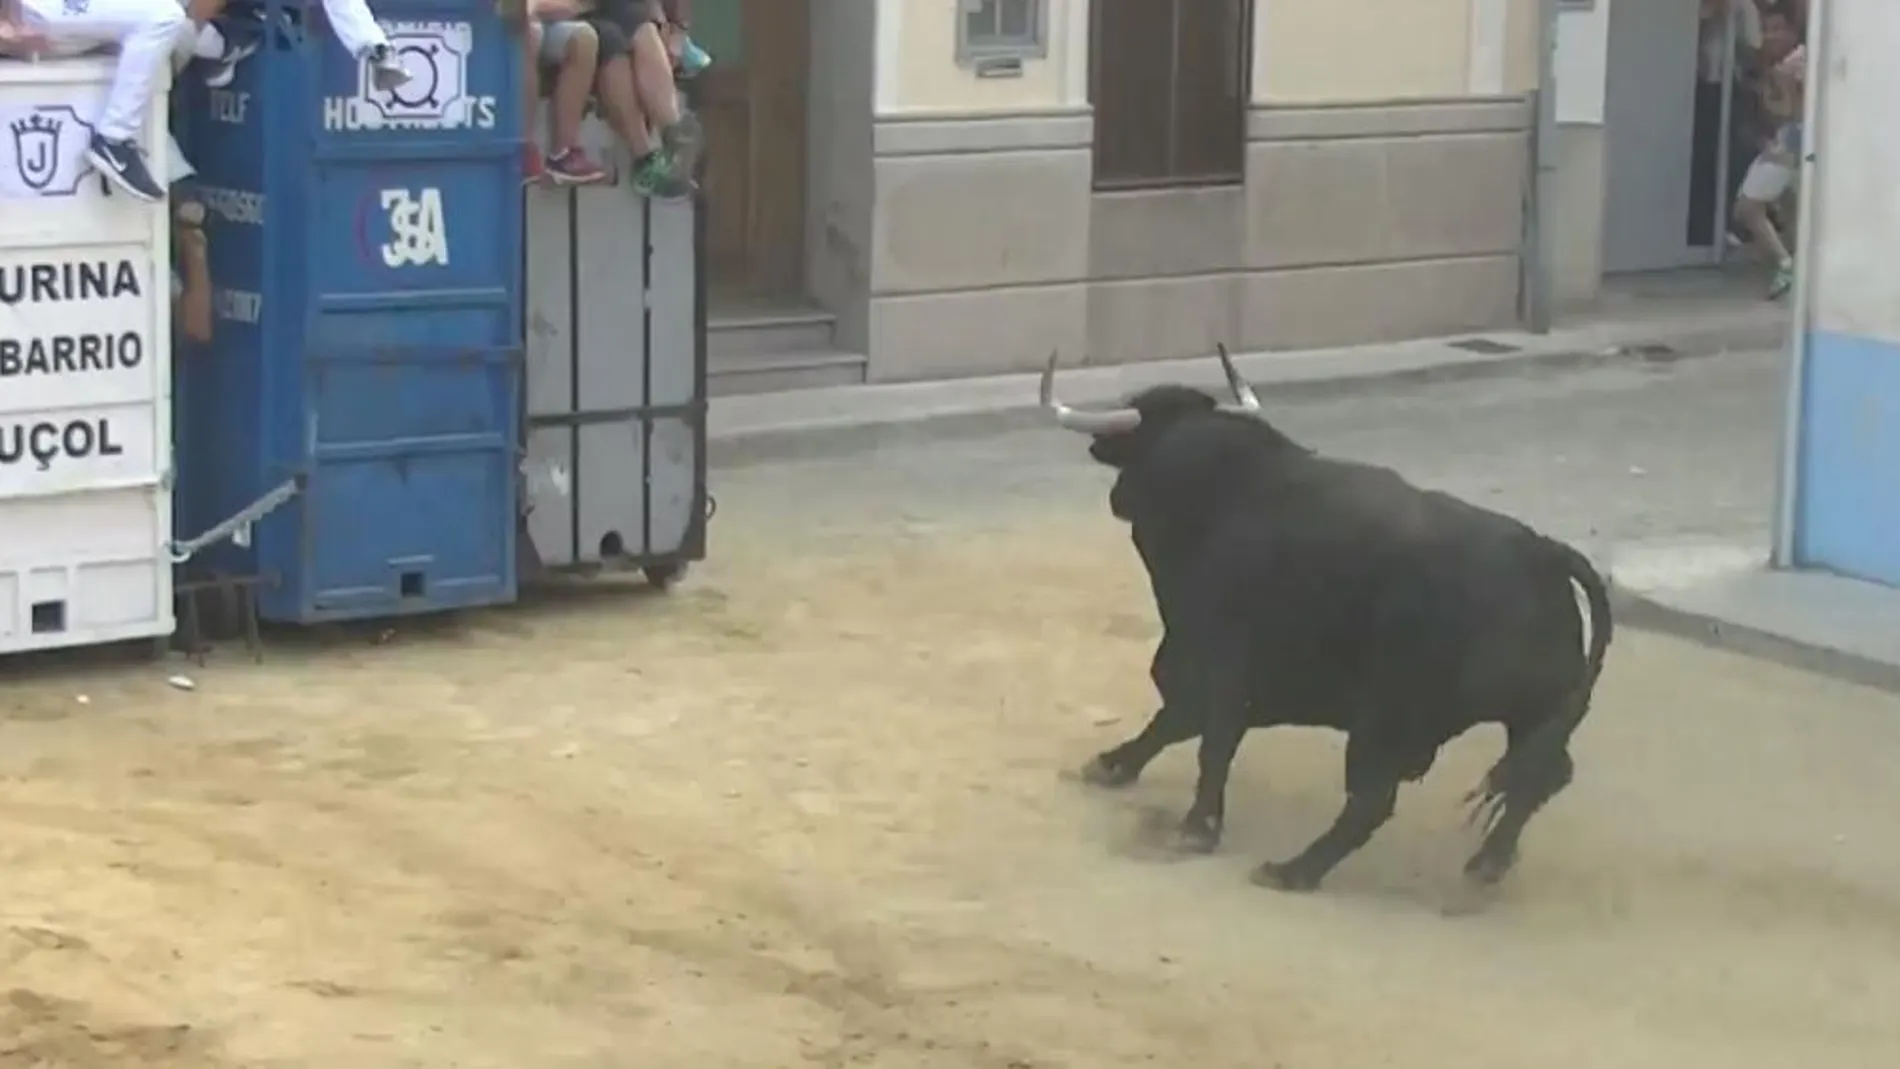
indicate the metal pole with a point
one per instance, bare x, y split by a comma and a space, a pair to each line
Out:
1808, 233
1542, 217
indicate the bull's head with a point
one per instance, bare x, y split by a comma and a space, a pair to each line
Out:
1120, 433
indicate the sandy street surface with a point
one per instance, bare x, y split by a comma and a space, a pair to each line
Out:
806, 811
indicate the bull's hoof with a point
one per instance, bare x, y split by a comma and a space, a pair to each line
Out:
1487, 868
1101, 772
1472, 898
1196, 835
1281, 877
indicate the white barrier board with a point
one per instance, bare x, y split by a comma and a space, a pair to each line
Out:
85, 375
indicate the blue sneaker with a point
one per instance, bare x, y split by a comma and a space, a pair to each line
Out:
242, 37
122, 164
683, 141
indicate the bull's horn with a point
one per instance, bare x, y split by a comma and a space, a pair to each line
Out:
1114, 421
1243, 393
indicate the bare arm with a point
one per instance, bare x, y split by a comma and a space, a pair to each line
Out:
194, 304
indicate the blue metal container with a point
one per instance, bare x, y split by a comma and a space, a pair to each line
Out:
366, 262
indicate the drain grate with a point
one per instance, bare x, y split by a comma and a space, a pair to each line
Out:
1485, 346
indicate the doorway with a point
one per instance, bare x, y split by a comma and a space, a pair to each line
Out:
1668, 116
752, 103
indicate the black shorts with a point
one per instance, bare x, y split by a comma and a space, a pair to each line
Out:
629, 16
614, 39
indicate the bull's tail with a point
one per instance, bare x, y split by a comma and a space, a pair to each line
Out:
1540, 765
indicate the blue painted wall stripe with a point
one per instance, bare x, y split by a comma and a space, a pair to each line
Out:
1847, 517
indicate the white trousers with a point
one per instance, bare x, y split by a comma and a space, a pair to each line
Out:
144, 31
354, 25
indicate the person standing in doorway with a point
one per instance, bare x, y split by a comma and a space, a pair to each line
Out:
1716, 69
1772, 175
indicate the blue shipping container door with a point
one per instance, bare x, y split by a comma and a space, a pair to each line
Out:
387, 348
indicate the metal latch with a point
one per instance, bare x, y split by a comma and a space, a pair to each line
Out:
237, 528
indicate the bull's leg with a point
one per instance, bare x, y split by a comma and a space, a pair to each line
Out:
1372, 793
1173, 722
1223, 710
1123, 765
1522, 787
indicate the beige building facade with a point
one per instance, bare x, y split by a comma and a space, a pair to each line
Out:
956, 220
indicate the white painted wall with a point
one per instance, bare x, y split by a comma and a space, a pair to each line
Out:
1582, 62
1488, 47
918, 72
1856, 216
1351, 51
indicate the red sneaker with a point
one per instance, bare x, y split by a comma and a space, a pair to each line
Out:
532, 169
574, 168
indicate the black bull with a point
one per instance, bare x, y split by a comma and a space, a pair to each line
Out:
1297, 589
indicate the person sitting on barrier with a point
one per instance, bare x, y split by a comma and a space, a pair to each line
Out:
638, 98
144, 31
226, 45
555, 43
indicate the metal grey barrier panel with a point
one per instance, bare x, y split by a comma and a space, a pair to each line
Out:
615, 464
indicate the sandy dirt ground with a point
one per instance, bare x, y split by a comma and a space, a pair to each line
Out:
806, 810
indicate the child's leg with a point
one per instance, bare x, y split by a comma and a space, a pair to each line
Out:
531, 34
654, 174
653, 76
572, 49
1766, 181
660, 98
534, 166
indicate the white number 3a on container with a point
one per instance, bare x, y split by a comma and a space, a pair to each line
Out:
418, 236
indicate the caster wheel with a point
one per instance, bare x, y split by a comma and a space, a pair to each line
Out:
664, 576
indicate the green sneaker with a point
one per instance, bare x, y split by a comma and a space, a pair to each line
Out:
658, 176
1782, 282
683, 141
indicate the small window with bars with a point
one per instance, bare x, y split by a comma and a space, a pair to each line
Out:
1001, 29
